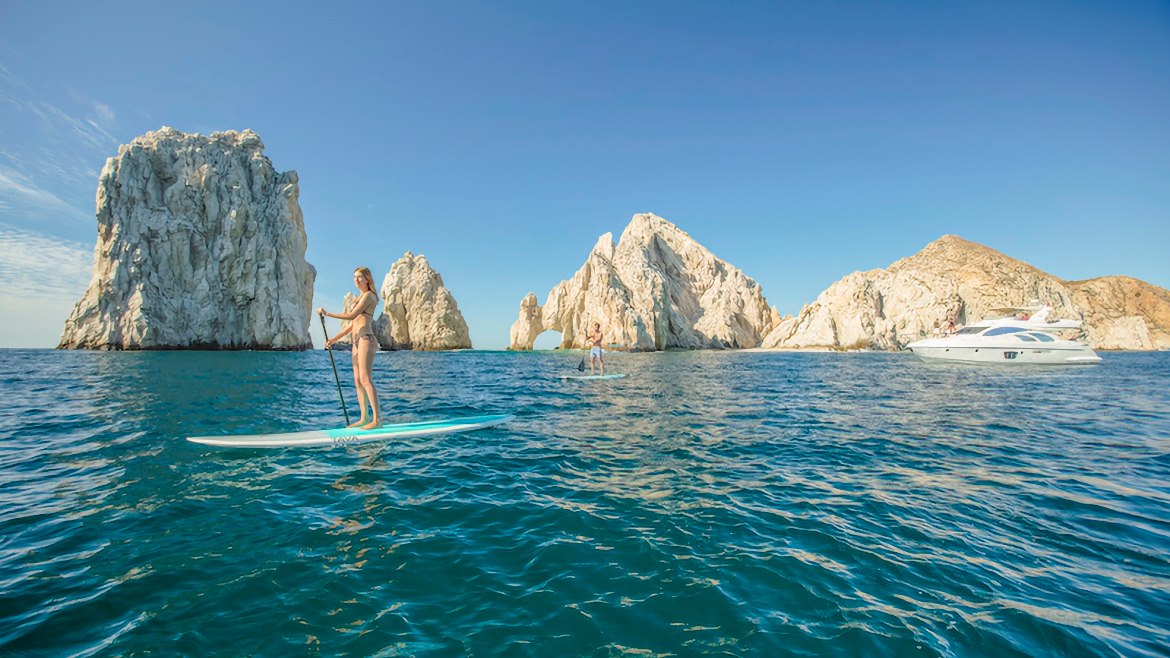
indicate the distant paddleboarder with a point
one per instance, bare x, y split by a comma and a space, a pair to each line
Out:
593, 339
365, 345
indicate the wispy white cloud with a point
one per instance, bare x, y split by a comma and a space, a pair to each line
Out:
7, 77
15, 187
50, 155
14, 183
86, 129
49, 162
105, 115
41, 279
37, 265
78, 169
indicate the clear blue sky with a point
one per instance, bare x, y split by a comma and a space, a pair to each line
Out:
800, 141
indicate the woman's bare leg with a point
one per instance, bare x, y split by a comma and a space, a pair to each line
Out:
361, 394
365, 357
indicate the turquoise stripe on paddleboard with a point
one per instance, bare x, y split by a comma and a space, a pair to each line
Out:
390, 430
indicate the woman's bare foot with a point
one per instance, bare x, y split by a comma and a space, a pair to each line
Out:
372, 424
358, 423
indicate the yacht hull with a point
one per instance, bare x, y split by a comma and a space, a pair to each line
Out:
1007, 354
1024, 340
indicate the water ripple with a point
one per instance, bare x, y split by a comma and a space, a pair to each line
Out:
728, 504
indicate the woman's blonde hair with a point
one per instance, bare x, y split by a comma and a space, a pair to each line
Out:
368, 276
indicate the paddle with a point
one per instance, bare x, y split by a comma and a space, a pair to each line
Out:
334, 364
581, 366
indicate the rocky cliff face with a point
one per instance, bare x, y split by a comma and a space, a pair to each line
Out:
201, 244
656, 288
1123, 313
420, 313
953, 279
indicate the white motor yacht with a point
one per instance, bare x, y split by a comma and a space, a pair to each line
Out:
1023, 337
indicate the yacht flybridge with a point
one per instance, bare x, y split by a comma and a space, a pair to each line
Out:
1022, 337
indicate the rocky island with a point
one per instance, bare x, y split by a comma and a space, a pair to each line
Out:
656, 288
419, 312
953, 279
200, 245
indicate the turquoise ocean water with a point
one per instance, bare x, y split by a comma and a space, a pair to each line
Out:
729, 504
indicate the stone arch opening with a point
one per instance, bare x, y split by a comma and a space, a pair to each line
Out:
549, 339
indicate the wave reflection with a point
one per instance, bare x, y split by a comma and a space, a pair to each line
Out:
710, 503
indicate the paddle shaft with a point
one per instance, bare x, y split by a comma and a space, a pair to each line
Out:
581, 366
334, 364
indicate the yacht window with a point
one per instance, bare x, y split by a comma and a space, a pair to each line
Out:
967, 331
1027, 337
999, 331
1044, 338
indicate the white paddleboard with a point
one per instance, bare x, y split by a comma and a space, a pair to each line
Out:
617, 376
349, 435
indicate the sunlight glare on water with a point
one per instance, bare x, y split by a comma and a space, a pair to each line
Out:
720, 503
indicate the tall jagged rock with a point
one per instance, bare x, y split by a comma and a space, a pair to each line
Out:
201, 245
529, 325
420, 313
953, 279
656, 288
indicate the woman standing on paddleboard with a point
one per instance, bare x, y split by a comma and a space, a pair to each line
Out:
361, 326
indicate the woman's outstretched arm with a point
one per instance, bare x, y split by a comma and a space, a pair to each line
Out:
351, 313
341, 334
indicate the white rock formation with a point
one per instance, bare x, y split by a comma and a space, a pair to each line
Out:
1123, 313
656, 288
529, 325
419, 312
953, 279
201, 244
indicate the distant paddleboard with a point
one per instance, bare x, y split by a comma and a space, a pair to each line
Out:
346, 436
617, 376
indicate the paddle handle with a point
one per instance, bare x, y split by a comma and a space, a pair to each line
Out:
333, 363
